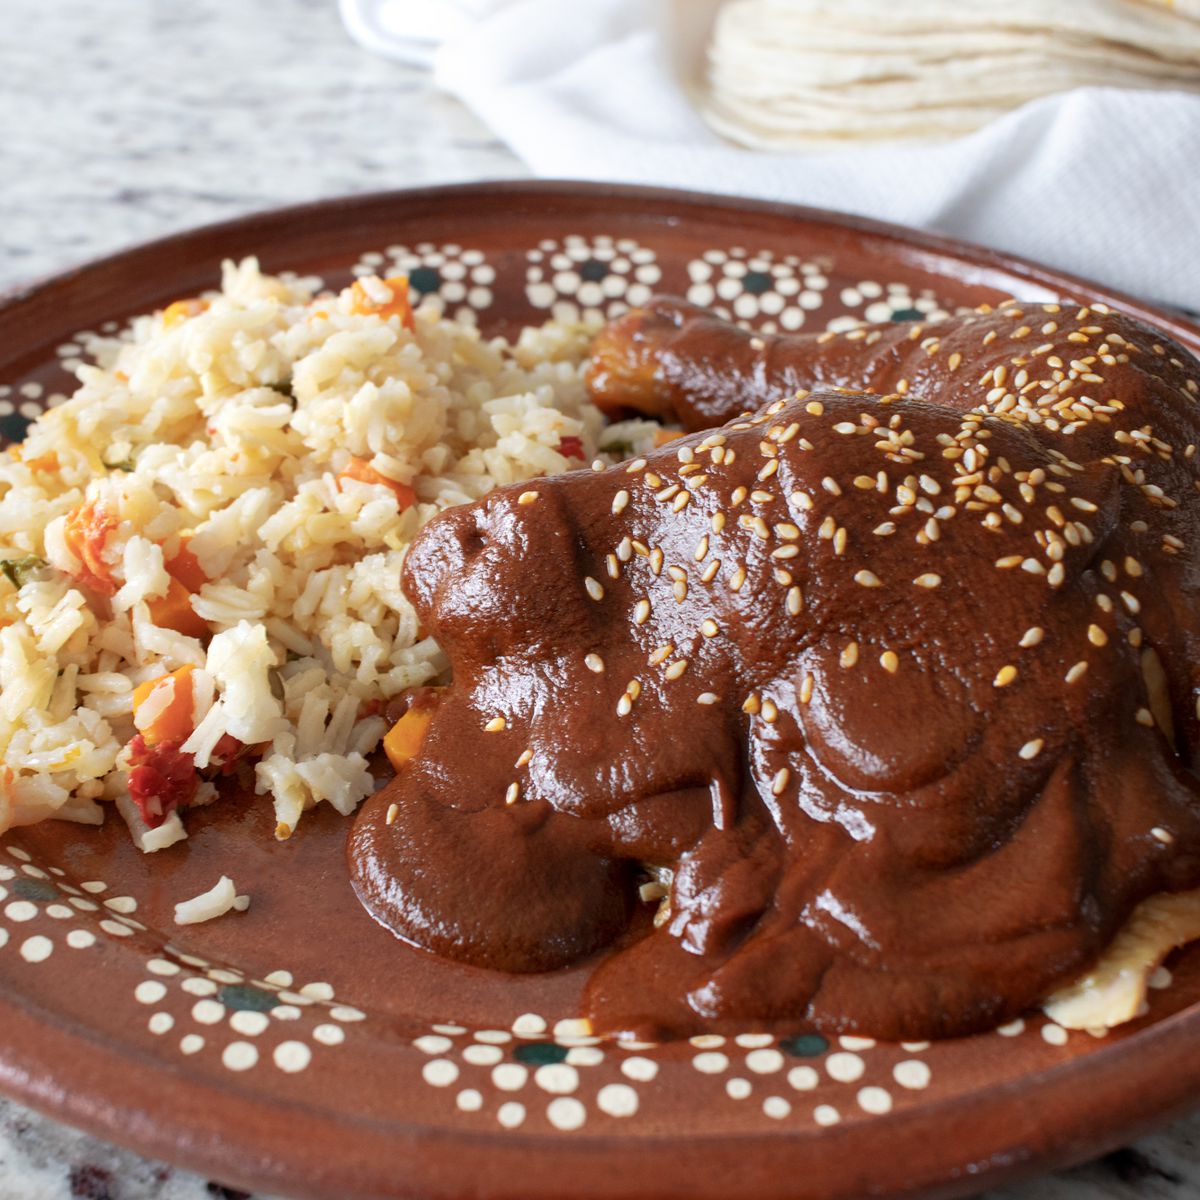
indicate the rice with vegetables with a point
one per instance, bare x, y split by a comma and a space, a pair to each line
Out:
202, 546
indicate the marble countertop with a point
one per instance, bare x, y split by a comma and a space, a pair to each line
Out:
123, 122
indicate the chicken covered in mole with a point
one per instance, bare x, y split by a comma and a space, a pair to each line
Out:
893, 676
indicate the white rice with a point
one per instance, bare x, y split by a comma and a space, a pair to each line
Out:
221, 898
186, 427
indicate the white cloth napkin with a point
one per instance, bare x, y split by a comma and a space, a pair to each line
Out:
1101, 182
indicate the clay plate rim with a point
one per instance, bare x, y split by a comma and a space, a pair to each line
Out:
948, 1148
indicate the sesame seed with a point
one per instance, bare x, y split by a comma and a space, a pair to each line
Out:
676, 669
681, 501
928, 580
1097, 636
392, 813
737, 579
867, 579
770, 713
679, 589
1143, 716
613, 566
884, 530
707, 698
656, 561
738, 495
1131, 602
1161, 835
594, 663
1133, 567
527, 497
1032, 749
662, 653
619, 501
1056, 575
595, 588
750, 704
849, 655
1083, 505
845, 427
710, 572
839, 541
806, 688
1076, 672
709, 628
769, 469
1004, 676
718, 522
624, 705
666, 492
701, 548
790, 551
787, 531
495, 725
641, 612
638, 464
889, 661
780, 781
814, 408
795, 601
1032, 636
514, 790
524, 759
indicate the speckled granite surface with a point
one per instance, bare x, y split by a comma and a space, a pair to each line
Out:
121, 120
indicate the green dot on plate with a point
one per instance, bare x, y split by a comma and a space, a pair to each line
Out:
907, 314
540, 1054
806, 1045
424, 279
244, 997
34, 889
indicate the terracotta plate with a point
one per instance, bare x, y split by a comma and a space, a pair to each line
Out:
299, 1048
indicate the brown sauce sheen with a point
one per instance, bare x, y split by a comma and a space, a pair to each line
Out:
905, 748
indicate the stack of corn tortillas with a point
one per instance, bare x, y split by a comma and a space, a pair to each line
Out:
806, 74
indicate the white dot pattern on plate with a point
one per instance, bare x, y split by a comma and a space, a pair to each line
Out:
617, 1099
773, 293
292, 1056
239, 1056
580, 277
566, 1113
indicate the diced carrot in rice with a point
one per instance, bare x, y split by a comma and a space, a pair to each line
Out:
163, 708
182, 310
175, 611
185, 567
86, 532
382, 298
362, 471
403, 741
